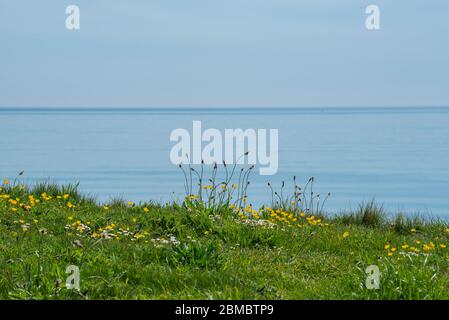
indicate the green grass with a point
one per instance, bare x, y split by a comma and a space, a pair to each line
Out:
192, 251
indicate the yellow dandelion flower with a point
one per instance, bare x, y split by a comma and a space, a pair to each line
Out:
345, 234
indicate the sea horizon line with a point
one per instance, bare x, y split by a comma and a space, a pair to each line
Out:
218, 110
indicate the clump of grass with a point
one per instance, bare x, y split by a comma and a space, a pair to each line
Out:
403, 224
373, 215
196, 255
53, 189
369, 214
17, 189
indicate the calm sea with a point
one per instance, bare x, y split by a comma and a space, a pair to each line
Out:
400, 157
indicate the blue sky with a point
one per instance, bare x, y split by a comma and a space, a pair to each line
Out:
228, 53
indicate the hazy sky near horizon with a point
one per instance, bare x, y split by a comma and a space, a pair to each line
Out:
236, 53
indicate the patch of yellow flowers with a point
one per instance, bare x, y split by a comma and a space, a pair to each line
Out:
27, 204
415, 248
299, 220
280, 217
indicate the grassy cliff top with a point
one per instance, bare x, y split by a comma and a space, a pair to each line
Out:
194, 250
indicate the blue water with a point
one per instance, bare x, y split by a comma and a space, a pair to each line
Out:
400, 157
